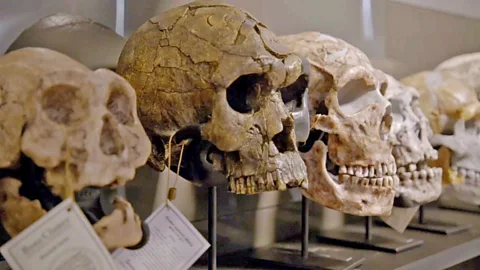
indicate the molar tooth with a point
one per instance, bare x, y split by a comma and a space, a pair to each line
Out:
281, 185
343, 169
412, 167
406, 176
380, 181
462, 171
371, 171
241, 186
390, 168
416, 174
394, 168
385, 169
379, 170
261, 183
423, 174
388, 181
270, 183
350, 170
232, 185
430, 172
354, 180
396, 181
373, 181
344, 178
365, 172
401, 170
365, 182
358, 171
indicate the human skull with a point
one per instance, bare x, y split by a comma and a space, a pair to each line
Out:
452, 107
350, 120
419, 184
465, 67
77, 125
213, 67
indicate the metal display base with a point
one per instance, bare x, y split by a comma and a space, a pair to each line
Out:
368, 240
292, 258
320, 260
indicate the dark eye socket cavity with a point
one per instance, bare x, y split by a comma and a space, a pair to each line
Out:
292, 95
244, 93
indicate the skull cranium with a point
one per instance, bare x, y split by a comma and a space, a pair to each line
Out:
410, 133
452, 107
465, 67
350, 121
215, 68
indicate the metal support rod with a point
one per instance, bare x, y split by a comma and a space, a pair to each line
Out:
421, 215
368, 228
305, 228
212, 228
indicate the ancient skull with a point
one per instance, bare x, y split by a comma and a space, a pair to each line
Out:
465, 67
410, 133
350, 122
211, 73
452, 107
80, 127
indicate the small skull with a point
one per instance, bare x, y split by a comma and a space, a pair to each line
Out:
465, 67
452, 108
350, 120
75, 123
215, 76
410, 133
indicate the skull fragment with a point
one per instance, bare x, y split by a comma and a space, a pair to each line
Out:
78, 127
214, 69
452, 107
350, 121
410, 133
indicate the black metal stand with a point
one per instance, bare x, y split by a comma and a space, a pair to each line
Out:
368, 240
212, 228
433, 226
331, 259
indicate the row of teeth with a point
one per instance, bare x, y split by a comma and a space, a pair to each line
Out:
371, 171
428, 174
467, 172
412, 167
386, 181
255, 184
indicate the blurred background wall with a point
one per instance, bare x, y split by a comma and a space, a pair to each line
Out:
400, 37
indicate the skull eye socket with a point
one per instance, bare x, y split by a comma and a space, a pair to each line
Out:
355, 95
243, 94
292, 94
65, 104
120, 105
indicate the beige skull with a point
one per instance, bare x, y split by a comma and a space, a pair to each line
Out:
410, 133
465, 67
215, 67
76, 123
452, 107
350, 121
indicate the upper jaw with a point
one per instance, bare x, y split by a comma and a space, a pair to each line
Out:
281, 171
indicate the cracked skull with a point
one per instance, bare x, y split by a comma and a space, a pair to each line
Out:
77, 124
410, 133
453, 108
215, 68
348, 157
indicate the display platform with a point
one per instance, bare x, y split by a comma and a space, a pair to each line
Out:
437, 252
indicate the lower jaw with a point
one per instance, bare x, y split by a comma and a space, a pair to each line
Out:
467, 193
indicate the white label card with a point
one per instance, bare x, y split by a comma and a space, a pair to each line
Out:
62, 239
174, 243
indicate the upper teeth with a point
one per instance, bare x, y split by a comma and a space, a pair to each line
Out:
370, 171
472, 177
382, 175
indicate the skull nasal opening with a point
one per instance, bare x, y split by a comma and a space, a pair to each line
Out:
243, 94
285, 141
